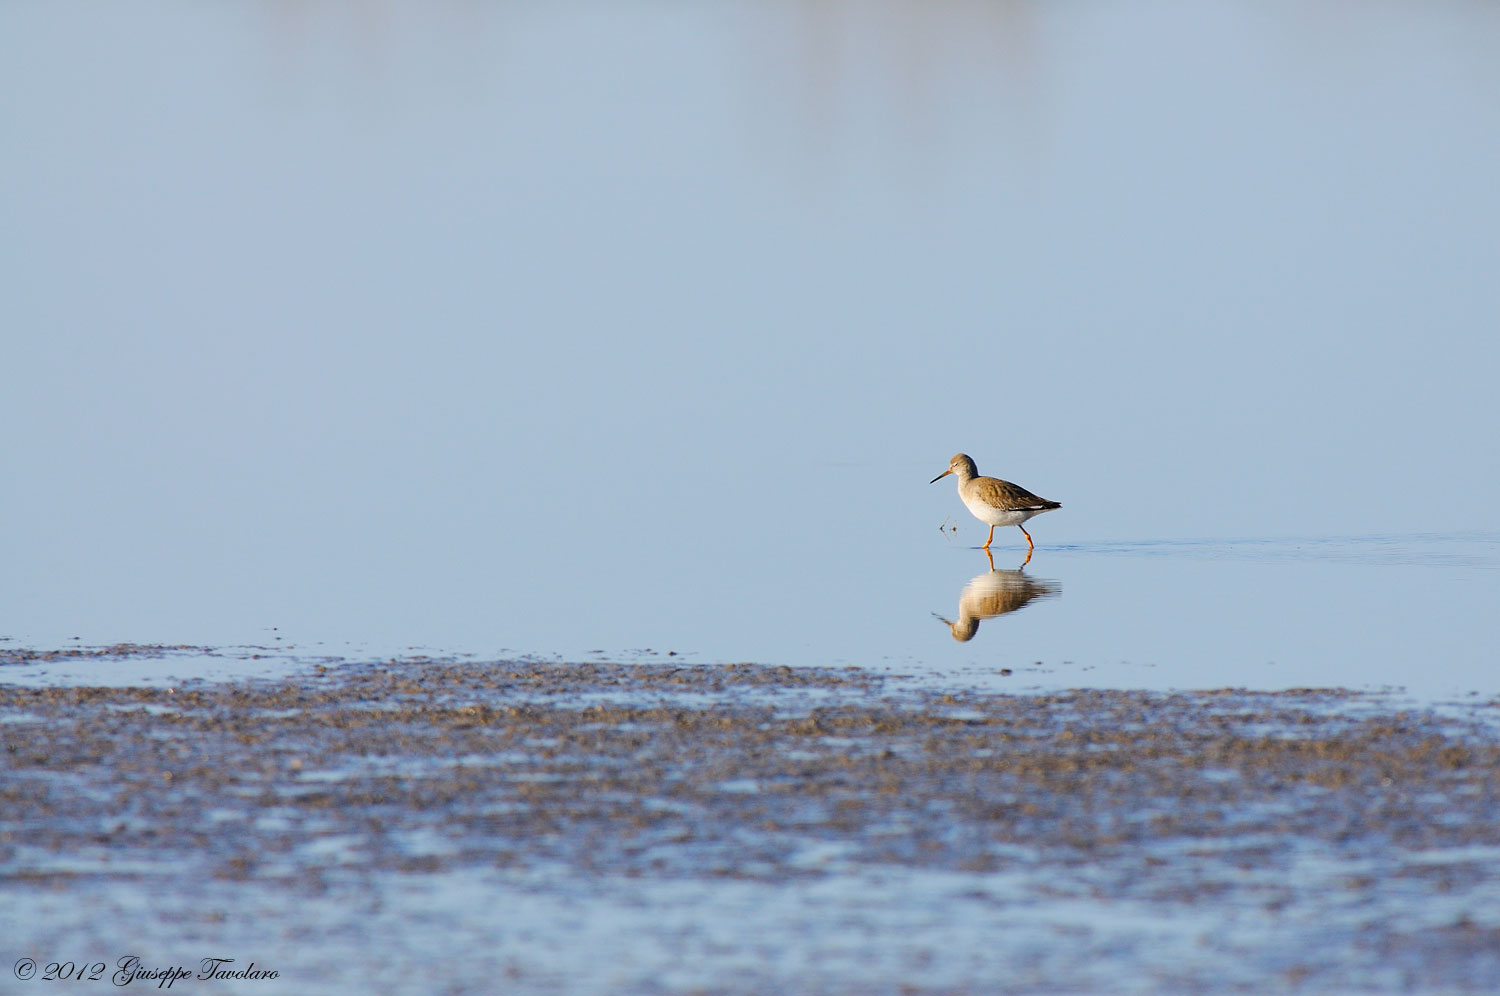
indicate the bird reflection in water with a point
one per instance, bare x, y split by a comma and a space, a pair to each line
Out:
994, 593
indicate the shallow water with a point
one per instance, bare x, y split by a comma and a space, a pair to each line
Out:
478, 328
633, 331
1413, 614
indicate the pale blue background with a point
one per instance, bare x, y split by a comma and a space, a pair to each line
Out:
552, 328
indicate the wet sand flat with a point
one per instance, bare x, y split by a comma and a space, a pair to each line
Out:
529, 827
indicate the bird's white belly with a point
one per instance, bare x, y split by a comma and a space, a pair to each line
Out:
990, 515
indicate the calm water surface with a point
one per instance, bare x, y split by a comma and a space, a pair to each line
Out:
621, 329
613, 327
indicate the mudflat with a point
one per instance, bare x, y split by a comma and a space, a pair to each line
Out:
1315, 840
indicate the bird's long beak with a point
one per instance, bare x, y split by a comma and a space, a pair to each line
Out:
941, 476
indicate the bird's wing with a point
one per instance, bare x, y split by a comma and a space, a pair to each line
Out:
1004, 494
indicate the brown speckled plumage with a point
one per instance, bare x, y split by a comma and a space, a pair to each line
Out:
993, 501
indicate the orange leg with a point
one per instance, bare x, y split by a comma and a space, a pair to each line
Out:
1029, 545
992, 559
988, 541
1026, 561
